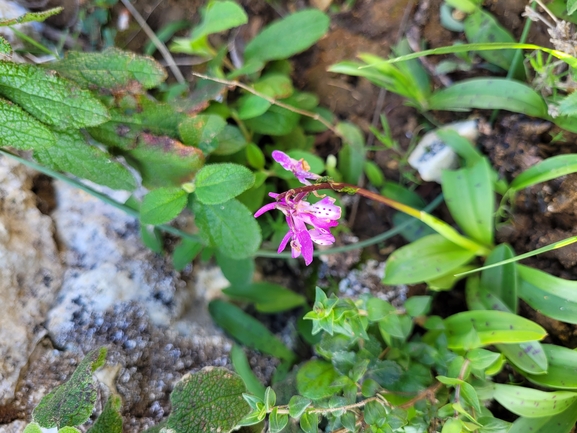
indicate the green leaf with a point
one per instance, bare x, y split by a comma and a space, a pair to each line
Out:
277, 422
113, 69
472, 329
267, 297
378, 308
250, 106
238, 272
560, 423
69, 430
33, 427
242, 367
210, 400
461, 145
30, 17
217, 183
554, 297
297, 406
50, 98
561, 371
230, 140
352, 155
247, 330
228, 226
571, 6
568, 105
527, 357
427, 258
452, 425
490, 93
71, 153
217, 17
254, 156
71, 403
5, 47
288, 36
20, 130
481, 358
162, 205
374, 173
276, 121
110, 420
310, 422
470, 198
502, 281
418, 305
184, 253
315, 380
548, 169
532, 403
482, 27
202, 131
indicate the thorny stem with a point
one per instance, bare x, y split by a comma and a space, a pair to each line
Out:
267, 98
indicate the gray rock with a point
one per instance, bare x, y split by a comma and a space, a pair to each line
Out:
30, 272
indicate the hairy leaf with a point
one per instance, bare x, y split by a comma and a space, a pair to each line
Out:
30, 17
162, 205
20, 130
110, 420
217, 183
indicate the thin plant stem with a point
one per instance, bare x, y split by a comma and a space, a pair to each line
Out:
157, 42
234, 83
31, 41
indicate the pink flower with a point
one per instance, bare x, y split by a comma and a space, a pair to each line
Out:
299, 168
299, 214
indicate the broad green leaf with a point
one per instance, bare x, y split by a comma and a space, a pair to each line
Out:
482, 27
228, 226
152, 238
112, 69
242, 367
184, 253
276, 121
247, 330
33, 427
472, 329
427, 258
470, 197
571, 6
490, 93
275, 85
532, 403
554, 297
217, 183
267, 297
210, 400
250, 106
202, 131
562, 370
30, 17
467, 6
230, 140
288, 36
461, 145
352, 155
239, 273
50, 98
568, 105
418, 305
110, 420
71, 403
527, 357
71, 153
560, 423
69, 430
309, 422
378, 308
297, 405
255, 157
162, 205
277, 422
502, 281
374, 174
482, 358
548, 169
315, 380
452, 425
217, 17
20, 130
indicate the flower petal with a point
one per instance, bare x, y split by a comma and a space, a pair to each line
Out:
285, 241
265, 208
322, 237
326, 209
305, 246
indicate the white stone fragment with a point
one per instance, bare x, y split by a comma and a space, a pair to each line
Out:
432, 155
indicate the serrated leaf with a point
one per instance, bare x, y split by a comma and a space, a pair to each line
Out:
20, 130
71, 153
472, 329
50, 98
247, 330
162, 205
315, 380
30, 17
267, 297
561, 371
554, 297
210, 400
202, 131
71, 403
532, 403
489, 93
551, 168
288, 36
428, 258
470, 198
112, 69
297, 405
217, 183
228, 226
110, 420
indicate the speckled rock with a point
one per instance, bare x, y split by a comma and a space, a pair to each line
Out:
30, 273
